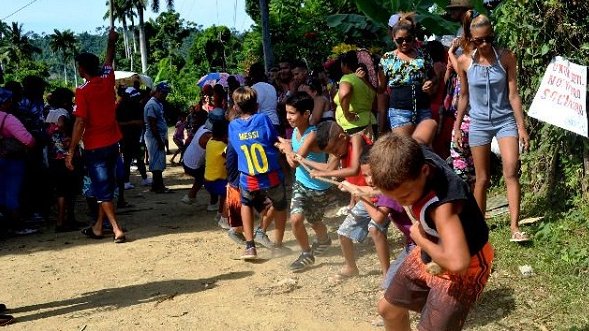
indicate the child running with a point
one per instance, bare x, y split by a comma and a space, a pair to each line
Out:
252, 136
215, 176
442, 203
179, 135
350, 149
309, 195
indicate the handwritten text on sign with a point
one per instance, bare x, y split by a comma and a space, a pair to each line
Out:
561, 98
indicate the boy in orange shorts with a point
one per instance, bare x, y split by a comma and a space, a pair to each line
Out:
443, 205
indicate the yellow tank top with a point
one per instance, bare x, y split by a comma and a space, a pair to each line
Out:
215, 160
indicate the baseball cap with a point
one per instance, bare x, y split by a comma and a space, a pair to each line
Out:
5, 95
215, 115
163, 87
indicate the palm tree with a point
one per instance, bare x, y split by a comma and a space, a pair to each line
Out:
141, 5
15, 46
121, 9
266, 43
65, 44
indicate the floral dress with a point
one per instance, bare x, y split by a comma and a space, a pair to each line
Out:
462, 162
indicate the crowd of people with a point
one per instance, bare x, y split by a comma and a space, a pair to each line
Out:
313, 131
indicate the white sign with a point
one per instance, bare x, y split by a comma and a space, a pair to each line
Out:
561, 98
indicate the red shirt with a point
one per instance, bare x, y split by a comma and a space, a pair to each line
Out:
346, 161
95, 103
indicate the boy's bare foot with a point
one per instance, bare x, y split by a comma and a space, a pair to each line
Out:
342, 275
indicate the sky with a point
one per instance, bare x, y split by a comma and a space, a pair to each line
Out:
86, 15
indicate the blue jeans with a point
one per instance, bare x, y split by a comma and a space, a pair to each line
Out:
402, 117
101, 164
12, 172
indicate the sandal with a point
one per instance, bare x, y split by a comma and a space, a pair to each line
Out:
519, 236
120, 239
88, 232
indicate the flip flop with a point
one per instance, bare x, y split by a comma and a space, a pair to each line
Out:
519, 236
88, 232
120, 239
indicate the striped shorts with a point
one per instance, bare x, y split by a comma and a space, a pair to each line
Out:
444, 300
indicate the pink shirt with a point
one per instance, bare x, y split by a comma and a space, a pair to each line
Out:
13, 128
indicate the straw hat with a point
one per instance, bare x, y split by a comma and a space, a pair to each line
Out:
459, 4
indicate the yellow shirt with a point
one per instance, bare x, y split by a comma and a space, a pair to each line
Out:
215, 160
360, 103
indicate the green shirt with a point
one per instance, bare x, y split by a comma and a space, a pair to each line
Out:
360, 103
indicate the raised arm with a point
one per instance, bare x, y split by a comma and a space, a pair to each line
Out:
110, 48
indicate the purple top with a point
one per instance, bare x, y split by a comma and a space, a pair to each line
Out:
179, 133
397, 215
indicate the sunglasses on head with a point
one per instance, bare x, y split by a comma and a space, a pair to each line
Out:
407, 39
481, 40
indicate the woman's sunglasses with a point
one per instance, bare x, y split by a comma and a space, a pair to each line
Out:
401, 40
481, 40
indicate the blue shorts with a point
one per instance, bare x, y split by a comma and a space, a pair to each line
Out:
482, 132
388, 278
403, 117
358, 222
276, 194
101, 164
216, 187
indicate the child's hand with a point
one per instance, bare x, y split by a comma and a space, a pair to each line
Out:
316, 173
346, 186
417, 232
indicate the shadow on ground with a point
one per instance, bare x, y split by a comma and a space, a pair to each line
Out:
494, 305
120, 297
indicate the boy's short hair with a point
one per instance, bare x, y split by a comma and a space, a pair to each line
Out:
247, 99
394, 159
365, 156
89, 62
220, 128
301, 101
325, 131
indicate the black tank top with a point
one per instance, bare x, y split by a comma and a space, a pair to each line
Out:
445, 187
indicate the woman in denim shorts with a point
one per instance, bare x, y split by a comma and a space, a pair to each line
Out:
489, 87
410, 80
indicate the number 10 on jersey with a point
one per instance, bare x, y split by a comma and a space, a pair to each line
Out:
257, 162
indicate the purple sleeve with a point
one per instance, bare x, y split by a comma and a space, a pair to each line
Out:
397, 214
14, 128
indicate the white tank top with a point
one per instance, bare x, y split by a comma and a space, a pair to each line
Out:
194, 156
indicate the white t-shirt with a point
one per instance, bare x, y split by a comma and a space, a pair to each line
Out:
54, 115
194, 155
267, 101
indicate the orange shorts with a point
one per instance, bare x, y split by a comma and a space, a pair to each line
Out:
233, 205
444, 300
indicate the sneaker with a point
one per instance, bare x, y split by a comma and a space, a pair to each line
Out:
237, 237
213, 207
147, 181
223, 223
129, 186
261, 238
318, 248
343, 211
250, 254
187, 200
306, 259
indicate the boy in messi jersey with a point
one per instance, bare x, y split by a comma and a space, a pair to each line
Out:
252, 136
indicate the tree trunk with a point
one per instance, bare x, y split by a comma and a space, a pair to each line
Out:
65, 71
75, 73
125, 37
266, 44
142, 41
